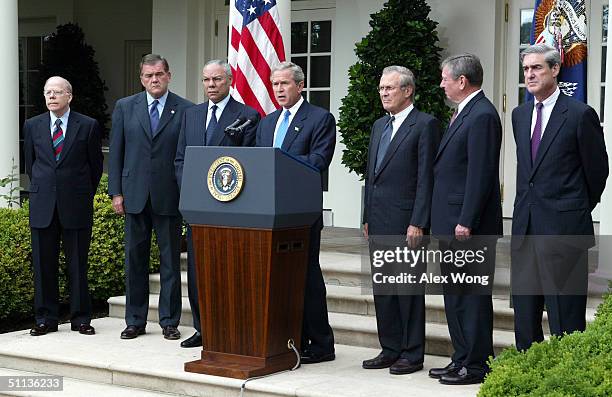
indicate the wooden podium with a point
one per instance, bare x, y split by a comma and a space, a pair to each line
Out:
251, 254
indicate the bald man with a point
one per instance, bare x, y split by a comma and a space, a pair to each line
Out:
63, 158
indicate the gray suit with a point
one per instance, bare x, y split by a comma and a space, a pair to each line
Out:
141, 168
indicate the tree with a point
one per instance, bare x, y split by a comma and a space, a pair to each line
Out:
66, 54
402, 34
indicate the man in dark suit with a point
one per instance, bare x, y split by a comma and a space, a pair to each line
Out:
397, 202
308, 133
466, 209
63, 159
143, 186
562, 168
204, 125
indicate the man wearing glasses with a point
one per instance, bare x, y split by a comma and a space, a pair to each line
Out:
63, 159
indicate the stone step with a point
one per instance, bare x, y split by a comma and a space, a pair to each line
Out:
356, 330
151, 365
351, 328
356, 300
72, 387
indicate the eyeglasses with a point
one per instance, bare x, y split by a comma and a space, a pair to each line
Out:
50, 93
387, 88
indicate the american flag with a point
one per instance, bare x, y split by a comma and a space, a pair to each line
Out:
255, 46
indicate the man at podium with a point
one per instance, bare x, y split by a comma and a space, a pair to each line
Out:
204, 125
307, 132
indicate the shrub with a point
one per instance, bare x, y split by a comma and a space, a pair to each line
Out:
106, 257
402, 34
16, 282
579, 364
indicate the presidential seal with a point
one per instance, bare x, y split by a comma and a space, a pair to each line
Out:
225, 178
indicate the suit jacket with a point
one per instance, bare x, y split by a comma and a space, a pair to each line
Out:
68, 184
466, 172
556, 195
311, 136
399, 195
193, 130
140, 165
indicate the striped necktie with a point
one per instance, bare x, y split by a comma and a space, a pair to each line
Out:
58, 139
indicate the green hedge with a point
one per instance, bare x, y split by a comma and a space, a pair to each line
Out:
106, 256
579, 364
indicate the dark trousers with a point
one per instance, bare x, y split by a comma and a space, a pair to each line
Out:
192, 282
317, 334
470, 320
401, 326
45, 263
138, 230
542, 268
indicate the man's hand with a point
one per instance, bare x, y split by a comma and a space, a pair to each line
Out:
414, 236
118, 204
365, 230
462, 233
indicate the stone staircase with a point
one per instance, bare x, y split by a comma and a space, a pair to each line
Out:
351, 306
149, 366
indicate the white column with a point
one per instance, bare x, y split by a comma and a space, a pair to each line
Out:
284, 12
9, 101
605, 211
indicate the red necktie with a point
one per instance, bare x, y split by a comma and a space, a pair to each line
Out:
58, 139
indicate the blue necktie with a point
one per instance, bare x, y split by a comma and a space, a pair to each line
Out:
385, 140
154, 116
282, 130
212, 125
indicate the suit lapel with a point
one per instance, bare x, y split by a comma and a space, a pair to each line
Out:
296, 126
169, 110
70, 136
398, 138
142, 113
199, 133
457, 123
524, 136
268, 138
47, 139
556, 121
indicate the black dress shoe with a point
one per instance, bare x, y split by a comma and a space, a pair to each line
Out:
171, 332
43, 329
403, 367
308, 357
379, 362
132, 331
461, 377
437, 373
194, 340
84, 329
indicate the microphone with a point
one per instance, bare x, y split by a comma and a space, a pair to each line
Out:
234, 130
247, 123
236, 122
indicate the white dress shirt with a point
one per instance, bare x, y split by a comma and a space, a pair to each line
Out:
549, 104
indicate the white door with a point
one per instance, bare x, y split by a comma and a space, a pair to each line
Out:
520, 15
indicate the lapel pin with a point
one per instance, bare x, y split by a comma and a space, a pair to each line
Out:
172, 111
297, 129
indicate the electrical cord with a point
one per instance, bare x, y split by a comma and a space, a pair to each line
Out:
290, 345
